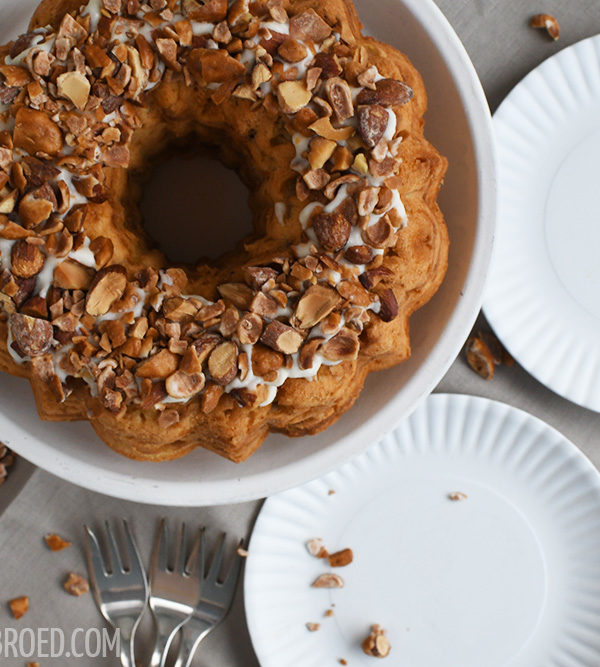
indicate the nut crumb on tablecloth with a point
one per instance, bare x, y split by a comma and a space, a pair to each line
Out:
7, 458
55, 542
76, 585
312, 627
19, 606
548, 23
457, 496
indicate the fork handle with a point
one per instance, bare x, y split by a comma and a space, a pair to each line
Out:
127, 659
192, 633
166, 629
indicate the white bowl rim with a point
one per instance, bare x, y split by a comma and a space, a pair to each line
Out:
416, 389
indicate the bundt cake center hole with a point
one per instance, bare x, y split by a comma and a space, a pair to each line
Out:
195, 208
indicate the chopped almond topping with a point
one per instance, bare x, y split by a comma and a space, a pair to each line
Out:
292, 96
281, 337
74, 86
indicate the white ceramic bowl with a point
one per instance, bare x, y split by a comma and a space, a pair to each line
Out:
458, 123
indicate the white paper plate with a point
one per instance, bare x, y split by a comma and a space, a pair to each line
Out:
458, 123
543, 294
509, 576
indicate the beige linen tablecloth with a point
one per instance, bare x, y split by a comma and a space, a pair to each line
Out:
504, 49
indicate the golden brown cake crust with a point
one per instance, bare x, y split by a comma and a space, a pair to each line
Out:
369, 323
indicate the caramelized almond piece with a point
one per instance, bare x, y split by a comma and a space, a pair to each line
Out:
315, 304
340, 97
359, 254
35, 133
342, 347
265, 360
292, 96
180, 385
74, 86
210, 397
324, 128
214, 66
103, 250
159, 366
372, 123
281, 337
309, 26
32, 335
320, 151
388, 92
72, 275
239, 294
332, 230
257, 276
308, 352
249, 328
389, 305
107, 287
222, 363
27, 260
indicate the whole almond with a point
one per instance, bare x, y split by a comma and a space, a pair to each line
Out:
332, 230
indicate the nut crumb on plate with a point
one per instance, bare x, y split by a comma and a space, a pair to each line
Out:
328, 580
341, 558
329, 613
313, 627
548, 23
55, 542
377, 645
76, 585
342, 661
315, 548
457, 495
19, 606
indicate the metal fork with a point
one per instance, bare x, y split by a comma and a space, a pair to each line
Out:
174, 593
121, 594
214, 603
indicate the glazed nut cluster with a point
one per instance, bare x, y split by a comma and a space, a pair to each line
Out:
69, 105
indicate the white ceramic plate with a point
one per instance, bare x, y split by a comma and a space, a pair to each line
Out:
543, 294
459, 125
509, 576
